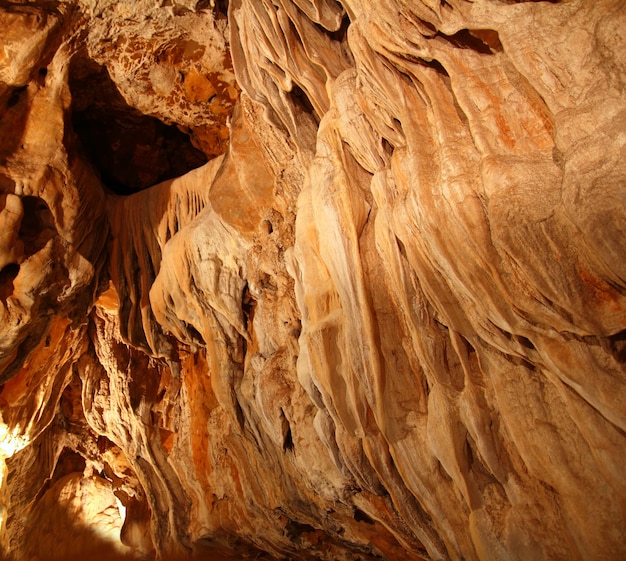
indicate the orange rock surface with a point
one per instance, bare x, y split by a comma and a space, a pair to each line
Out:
313, 279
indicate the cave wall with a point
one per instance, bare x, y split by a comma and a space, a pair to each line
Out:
309, 279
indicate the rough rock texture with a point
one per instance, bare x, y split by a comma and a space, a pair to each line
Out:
310, 279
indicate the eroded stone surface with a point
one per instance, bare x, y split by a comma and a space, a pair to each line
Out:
384, 320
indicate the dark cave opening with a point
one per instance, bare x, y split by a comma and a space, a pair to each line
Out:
130, 151
37, 226
7, 276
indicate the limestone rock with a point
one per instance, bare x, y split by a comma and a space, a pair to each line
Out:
310, 279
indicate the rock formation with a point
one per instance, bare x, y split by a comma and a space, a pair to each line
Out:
313, 279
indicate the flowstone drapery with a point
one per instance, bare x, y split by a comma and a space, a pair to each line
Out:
310, 279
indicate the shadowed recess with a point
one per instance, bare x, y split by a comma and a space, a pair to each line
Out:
7, 276
131, 151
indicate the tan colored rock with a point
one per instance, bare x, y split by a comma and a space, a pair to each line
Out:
313, 279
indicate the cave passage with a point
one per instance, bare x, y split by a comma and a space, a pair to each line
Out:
131, 151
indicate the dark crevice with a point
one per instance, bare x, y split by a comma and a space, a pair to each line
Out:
425, 385
287, 436
160, 396
341, 34
402, 248
525, 342
104, 444
482, 474
488, 37
360, 516
525, 363
483, 41
248, 305
296, 529
37, 226
220, 7
435, 65
288, 441
239, 414
244, 348
7, 276
426, 24
469, 453
617, 345
16, 96
301, 100
388, 148
131, 151
193, 334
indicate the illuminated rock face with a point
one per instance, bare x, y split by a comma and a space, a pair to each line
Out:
310, 279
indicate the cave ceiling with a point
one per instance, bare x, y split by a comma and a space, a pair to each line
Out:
313, 280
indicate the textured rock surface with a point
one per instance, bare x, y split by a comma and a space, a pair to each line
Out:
308, 279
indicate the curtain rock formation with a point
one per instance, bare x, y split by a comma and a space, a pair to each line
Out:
313, 279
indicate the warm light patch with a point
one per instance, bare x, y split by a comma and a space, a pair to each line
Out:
11, 441
109, 299
84, 508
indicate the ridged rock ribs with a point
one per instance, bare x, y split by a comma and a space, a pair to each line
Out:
310, 279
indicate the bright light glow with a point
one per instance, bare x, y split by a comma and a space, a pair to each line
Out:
122, 510
11, 441
93, 505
